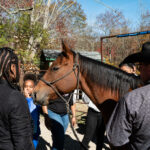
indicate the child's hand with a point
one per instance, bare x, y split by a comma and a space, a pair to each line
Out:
26, 93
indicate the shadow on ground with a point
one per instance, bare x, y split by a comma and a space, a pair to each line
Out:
81, 125
71, 144
43, 144
81, 130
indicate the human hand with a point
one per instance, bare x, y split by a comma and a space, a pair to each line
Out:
47, 121
73, 121
26, 93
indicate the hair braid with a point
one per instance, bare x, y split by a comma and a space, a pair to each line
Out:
8, 57
3, 55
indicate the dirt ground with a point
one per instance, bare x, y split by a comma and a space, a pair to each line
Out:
71, 142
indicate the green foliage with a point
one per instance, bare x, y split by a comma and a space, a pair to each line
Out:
36, 60
3, 41
76, 17
24, 30
6, 32
45, 39
16, 31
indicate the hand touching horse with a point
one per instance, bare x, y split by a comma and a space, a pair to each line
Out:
104, 84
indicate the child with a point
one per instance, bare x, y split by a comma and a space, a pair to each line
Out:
29, 83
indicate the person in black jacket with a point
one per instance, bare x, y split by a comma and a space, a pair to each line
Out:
15, 120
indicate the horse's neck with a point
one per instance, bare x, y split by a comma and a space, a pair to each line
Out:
104, 99
97, 93
88, 90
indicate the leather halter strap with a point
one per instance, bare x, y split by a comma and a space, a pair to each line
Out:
75, 66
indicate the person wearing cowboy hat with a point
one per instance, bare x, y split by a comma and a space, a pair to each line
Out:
129, 124
127, 67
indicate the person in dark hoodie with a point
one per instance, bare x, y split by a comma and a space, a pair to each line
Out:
15, 120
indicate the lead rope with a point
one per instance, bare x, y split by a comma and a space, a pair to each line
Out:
69, 114
76, 65
68, 107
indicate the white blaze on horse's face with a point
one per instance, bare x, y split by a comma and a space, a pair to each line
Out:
60, 76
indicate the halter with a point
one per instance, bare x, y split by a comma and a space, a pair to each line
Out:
75, 66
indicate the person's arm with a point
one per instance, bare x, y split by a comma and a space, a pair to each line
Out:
20, 122
47, 119
119, 127
44, 108
73, 110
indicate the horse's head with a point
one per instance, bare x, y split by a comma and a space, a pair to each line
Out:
61, 76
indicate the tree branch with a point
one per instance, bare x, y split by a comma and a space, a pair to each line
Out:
17, 11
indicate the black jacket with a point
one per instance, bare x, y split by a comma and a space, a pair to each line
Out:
15, 121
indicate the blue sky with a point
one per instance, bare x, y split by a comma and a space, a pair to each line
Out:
130, 8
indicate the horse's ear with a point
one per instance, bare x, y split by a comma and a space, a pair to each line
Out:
65, 47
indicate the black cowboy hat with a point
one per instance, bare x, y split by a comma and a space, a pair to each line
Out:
143, 56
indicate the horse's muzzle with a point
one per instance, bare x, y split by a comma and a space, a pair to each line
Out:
38, 101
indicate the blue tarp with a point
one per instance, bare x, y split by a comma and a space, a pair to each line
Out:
133, 34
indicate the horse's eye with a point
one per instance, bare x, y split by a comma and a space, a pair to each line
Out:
55, 68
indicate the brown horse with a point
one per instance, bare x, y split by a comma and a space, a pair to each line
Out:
104, 84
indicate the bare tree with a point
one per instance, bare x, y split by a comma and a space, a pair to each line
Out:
47, 12
43, 12
111, 22
145, 21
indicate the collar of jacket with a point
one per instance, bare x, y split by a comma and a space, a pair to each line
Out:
3, 81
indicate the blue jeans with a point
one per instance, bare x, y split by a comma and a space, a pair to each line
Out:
58, 129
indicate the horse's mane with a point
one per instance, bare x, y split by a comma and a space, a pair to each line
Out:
107, 76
